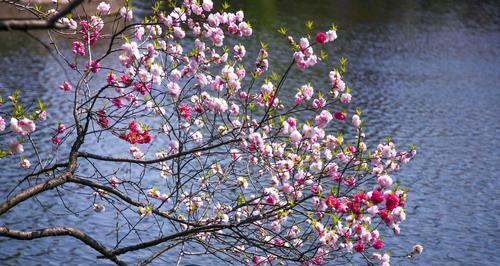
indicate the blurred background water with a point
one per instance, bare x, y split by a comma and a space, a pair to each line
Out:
423, 72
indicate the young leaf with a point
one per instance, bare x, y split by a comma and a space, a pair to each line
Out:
283, 31
309, 24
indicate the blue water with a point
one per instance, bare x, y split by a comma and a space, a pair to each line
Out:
424, 72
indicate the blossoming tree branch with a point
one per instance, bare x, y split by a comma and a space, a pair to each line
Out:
218, 163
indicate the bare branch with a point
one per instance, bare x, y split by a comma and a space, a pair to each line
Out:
32, 191
61, 231
36, 24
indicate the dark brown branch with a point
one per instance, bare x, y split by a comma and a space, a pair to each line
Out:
36, 24
61, 231
32, 191
167, 158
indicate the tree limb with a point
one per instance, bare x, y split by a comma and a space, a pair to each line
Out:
61, 231
32, 191
36, 24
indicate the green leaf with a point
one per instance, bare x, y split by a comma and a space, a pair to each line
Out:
40, 105
343, 64
323, 55
263, 45
18, 111
310, 24
156, 6
274, 76
241, 199
225, 5
282, 30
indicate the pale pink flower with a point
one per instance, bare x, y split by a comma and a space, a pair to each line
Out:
136, 153
356, 121
2, 124
295, 137
207, 5
174, 89
323, 118
345, 98
104, 8
126, 14
15, 147
384, 181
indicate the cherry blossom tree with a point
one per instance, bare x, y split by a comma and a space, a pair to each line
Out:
217, 162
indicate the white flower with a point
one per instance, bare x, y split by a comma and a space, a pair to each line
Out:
157, 72
304, 43
242, 182
331, 35
98, 207
197, 137
25, 164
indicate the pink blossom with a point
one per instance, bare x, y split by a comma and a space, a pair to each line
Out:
378, 244
65, 86
185, 111
139, 32
384, 181
321, 37
319, 103
391, 201
78, 48
126, 13
235, 154
174, 146
207, 5
2, 124
136, 153
339, 116
22, 127
174, 89
295, 137
323, 119
56, 140
356, 121
16, 147
345, 98
359, 247
93, 66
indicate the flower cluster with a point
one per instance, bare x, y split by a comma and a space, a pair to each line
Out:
138, 134
294, 176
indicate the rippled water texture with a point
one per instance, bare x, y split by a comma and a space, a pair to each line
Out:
424, 72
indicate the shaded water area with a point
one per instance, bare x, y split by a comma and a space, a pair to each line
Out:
423, 72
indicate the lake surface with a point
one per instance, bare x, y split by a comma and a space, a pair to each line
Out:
424, 72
